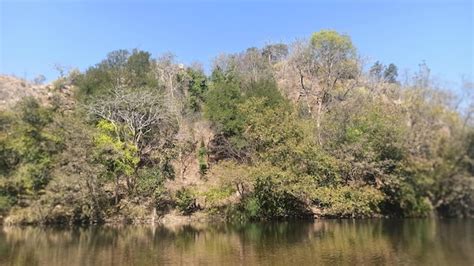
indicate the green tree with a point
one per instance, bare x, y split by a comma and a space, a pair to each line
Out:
323, 69
29, 144
390, 74
119, 69
197, 89
376, 70
119, 157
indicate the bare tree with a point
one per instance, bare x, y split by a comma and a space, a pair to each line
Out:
249, 66
275, 52
141, 117
138, 114
166, 71
62, 70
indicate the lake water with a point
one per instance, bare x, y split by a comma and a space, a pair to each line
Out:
323, 242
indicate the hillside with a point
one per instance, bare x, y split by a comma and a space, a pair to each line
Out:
13, 89
285, 131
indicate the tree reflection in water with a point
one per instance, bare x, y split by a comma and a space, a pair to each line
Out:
347, 242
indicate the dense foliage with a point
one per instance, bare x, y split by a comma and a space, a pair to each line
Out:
273, 133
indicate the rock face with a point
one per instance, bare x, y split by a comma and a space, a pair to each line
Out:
13, 89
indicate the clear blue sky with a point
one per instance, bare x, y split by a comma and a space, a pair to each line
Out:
37, 34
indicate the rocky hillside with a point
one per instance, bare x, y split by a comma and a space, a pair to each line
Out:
13, 89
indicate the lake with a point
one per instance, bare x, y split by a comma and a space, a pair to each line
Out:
322, 242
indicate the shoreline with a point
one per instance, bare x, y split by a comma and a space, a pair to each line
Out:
203, 219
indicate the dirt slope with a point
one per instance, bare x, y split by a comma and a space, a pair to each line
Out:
13, 89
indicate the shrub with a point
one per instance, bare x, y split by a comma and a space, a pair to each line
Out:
216, 196
150, 184
276, 201
202, 159
185, 201
5, 204
346, 201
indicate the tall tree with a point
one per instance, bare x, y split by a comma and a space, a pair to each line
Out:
390, 74
275, 52
376, 70
323, 66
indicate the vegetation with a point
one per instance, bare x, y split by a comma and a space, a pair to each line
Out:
286, 131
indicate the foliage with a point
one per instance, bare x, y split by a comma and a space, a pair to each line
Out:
197, 89
391, 73
185, 201
384, 74
151, 184
222, 108
278, 195
120, 69
5, 204
119, 157
216, 196
233, 175
29, 142
348, 201
279, 132
334, 53
202, 159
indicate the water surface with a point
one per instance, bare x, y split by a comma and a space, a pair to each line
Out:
326, 242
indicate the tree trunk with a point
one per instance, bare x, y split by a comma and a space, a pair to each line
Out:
318, 120
116, 189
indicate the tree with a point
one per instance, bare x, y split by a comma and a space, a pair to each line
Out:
39, 80
29, 144
77, 182
390, 74
257, 149
62, 70
322, 66
119, 156
376, 70
244, 68
221, 109
275, 52
138, 66
197, 89
32, 142
119, 69
138, 117
335, 55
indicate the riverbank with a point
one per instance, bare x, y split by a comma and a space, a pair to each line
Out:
174, 219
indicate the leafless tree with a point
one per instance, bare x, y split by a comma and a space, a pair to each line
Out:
249, 66
139, 115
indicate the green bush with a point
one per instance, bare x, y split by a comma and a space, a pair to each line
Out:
275, 201
5, 204
150, 183
221, 108
202, 153
185, 201
246, 210
216, 196
347, 201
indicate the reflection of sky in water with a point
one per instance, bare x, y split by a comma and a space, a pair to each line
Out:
348, 242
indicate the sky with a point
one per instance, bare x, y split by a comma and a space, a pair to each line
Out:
35, 35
